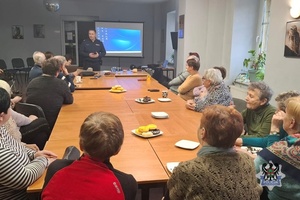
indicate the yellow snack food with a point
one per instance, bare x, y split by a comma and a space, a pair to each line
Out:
138, 132
143, 129
117, 88
151, 126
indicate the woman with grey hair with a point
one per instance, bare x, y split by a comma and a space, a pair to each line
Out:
216, 92
64, 74
276, 132
258, 114
36, 70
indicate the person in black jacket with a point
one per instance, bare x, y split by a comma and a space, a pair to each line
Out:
49, 92
92, 50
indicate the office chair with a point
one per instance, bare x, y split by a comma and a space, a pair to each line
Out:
30, 62
29, 109
8, 74
38, 131
3, 65
71, 153
240, 104
19, 65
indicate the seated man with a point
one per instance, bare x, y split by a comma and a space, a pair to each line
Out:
92, 176
49, 92
64, 74
36, 70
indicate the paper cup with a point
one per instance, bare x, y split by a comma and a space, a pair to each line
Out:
78, 79
164, 94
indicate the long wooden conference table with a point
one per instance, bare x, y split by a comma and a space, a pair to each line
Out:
144, 158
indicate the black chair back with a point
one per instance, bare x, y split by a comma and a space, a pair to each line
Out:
3, 64
17, 63
29, 62
240, 104
29, 109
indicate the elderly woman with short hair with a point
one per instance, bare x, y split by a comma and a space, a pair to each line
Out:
258, 114
218, 171
276, 131
216, 92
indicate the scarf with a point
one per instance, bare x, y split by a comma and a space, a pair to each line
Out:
287, 153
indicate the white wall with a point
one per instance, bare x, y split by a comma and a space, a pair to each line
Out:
282, 73
244, 32
222, 32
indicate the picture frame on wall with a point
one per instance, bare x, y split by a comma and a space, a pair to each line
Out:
181, 27
38, 30
292, 39
17, 32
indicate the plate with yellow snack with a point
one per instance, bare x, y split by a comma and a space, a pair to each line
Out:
117, 89
147, 131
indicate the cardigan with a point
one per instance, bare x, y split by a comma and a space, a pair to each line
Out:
221, 175
185, 90
258, 122
84, 179
216, 94
18, 167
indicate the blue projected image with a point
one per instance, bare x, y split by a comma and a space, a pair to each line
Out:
120, 39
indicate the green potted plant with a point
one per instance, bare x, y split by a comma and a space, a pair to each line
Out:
256, 64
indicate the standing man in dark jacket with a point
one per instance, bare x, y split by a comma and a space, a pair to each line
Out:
92, 50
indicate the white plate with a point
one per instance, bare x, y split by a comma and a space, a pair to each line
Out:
160, 115
160, 133
253, 150
117, 91
187, 144
171, 166
105, 71
140, 100
164, 99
